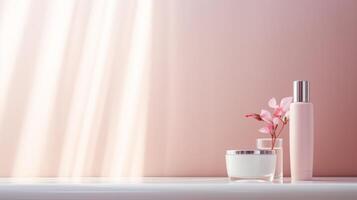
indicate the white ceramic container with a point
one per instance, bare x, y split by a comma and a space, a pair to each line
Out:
251, 164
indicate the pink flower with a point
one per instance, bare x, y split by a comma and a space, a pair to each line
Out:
280, 114
283, 108
271, 122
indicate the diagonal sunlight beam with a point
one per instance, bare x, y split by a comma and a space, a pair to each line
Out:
35, 129
128, 133
138, 152
12, 25
99, 85
87, 90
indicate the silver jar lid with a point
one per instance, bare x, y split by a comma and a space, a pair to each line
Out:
250, 152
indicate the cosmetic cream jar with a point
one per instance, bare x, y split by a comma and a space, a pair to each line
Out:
251, 164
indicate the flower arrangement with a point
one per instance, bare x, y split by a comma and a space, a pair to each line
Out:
276, 121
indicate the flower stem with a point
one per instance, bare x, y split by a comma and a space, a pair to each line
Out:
281, 130
273, 138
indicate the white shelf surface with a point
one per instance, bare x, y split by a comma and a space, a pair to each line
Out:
174, 189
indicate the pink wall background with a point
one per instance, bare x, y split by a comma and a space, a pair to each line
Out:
214, 61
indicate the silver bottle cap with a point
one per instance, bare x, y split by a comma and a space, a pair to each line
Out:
301, 91
250, 152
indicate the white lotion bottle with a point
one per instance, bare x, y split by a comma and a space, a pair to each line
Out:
301, 133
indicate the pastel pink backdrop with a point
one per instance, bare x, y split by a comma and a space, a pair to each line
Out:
211, 62
222, 59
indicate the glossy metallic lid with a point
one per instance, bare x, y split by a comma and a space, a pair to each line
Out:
250, 152
301, 91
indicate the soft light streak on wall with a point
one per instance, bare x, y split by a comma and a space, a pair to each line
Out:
138, 152
127, 146
88, 88
35, 128
99, 85
12, 24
